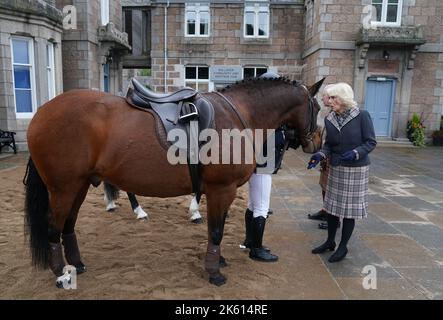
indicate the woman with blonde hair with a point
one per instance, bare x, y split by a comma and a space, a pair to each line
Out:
350, 138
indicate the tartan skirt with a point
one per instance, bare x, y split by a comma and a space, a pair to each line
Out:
347, 192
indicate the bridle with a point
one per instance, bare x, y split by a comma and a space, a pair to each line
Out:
311, 128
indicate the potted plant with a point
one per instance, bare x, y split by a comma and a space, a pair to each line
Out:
416, 131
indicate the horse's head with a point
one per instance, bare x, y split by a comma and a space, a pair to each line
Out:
304, 119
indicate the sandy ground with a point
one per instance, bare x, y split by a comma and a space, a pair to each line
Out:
161, 258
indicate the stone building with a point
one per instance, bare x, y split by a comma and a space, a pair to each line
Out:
30, 61
392, 55
93, 48
205, 44
394, 60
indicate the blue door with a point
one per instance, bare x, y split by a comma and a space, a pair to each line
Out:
380, 93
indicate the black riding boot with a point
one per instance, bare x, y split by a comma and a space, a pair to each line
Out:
249, 215
257, 251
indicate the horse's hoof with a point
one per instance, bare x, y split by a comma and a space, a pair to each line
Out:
111, 207
81, 269
222, 262
218, 279
198, 221
141, 214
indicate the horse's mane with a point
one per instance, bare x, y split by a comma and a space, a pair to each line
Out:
247, 82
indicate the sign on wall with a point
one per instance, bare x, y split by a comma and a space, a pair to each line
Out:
225, 74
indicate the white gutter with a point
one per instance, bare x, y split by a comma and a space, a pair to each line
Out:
166, 45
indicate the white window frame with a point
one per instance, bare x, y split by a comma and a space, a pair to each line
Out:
31, 65
197, 81
257, 8
50, 69
197, 8
104, 10
255, 70
384, 12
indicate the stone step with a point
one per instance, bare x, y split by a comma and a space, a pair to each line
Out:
394, 142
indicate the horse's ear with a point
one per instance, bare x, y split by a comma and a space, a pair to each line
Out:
315, 87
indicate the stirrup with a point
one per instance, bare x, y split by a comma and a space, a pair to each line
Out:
193, 113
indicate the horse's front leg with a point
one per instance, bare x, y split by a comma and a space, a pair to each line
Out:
219, 198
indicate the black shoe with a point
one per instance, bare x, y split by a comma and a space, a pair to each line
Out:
270, 211
325, 246
324, 225
257, 252
321, 215
338, 255
249, 246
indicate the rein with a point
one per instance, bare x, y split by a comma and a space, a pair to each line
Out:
311, 114
242, 120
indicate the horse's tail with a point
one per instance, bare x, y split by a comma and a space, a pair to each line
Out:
111, 192
36, 216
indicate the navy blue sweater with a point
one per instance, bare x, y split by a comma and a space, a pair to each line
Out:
358, 134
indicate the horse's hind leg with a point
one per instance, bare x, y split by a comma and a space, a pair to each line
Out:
141, 214
72, 252
111, 194
218, 201
61, 207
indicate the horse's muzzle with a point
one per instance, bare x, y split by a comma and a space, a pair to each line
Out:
313, 142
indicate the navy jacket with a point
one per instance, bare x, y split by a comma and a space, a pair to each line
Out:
357, 134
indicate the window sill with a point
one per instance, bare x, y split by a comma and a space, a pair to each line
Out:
259, 41
197, 40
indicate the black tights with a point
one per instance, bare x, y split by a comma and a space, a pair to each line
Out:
347, 229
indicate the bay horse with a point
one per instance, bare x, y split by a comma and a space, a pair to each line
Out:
84, 137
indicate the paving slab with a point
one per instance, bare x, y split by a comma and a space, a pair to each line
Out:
436, 218
427, 194
373, 224
376, 198
413, 203
386, 289
400, 251
429, 281
393, 212
428, 235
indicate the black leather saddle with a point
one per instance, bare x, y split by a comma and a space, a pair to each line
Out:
175, 110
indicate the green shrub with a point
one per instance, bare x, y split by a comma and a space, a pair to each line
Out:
416, 131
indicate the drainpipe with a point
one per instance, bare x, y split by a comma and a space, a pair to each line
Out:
166, 44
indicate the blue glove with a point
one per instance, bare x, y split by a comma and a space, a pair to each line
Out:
348, 156
315, 159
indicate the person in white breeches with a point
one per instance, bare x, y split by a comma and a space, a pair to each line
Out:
259, 194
